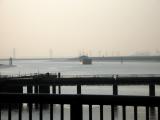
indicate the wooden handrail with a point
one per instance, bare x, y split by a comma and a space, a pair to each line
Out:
80, 99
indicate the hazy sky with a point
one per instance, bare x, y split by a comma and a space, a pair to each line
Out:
69, 27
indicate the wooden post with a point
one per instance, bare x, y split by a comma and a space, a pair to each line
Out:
13, 89
78, 89
115, 87
29, 89
53, 89
76, 112
151, 88
36, 91
44, 89
59, 87
76, 109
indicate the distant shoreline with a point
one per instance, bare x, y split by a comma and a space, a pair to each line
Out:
100, 59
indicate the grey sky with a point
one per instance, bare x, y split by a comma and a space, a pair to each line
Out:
72, 26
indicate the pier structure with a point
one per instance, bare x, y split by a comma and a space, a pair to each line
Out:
39, 93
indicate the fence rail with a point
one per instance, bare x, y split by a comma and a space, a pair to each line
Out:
76, 102
80, 99
43, 82
11, 94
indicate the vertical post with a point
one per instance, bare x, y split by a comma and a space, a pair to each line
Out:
41, 112
90, 112
29, 90
44, 89
76, 112
78, 89
20, 111
36, 91
101, 112
0, 111
124, 112
53, 89
62, 112
51, 111
76, 109
59, 87
9, 112
115, 87
151, 89
158, 112
30, 111
112, 112
135, 113
147, 112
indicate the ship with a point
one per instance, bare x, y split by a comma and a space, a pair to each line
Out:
85, 60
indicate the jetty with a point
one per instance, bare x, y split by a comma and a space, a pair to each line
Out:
12, 95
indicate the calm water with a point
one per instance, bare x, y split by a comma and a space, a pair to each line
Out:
75, 68
97, 68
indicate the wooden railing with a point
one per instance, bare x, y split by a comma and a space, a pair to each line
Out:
11, 95
42, 83
76, 102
